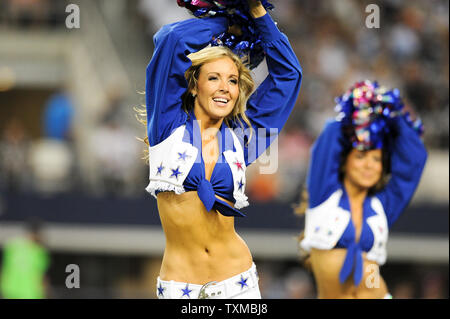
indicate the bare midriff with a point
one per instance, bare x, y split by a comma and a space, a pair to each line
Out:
326, 265
201, 246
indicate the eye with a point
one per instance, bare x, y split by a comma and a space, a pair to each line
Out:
212, 78
359, 155
377, 158
234, 81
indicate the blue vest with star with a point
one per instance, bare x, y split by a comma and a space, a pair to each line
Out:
176, 165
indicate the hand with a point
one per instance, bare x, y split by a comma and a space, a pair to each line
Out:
235, 29
257, 10
253, 3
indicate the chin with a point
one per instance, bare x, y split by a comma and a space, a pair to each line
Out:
367, 185
220, 114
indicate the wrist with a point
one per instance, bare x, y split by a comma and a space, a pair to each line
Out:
267, 28
257, 10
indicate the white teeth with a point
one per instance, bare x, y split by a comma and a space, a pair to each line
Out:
220, 100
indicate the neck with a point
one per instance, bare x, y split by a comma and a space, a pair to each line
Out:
208, 126
355, 193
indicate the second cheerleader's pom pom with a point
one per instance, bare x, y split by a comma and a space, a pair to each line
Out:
367, 112
248, 45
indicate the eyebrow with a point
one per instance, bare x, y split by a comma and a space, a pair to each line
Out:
217, 73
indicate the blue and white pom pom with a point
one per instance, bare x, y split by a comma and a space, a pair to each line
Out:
367, 111
248, 45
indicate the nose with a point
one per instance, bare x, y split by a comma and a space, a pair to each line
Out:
223, 86
369, 163
366, 163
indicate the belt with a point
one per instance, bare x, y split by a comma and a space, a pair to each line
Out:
224, 289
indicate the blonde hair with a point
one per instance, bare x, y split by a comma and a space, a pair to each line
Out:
246, 83
198, 59
141, 116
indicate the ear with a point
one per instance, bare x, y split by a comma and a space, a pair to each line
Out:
342, 169
194, 93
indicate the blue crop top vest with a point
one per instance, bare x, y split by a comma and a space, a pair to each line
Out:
268, 107
408, 158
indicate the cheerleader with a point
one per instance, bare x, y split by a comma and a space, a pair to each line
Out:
201, 118
352, 202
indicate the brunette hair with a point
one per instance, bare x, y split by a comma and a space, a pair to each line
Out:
386, 164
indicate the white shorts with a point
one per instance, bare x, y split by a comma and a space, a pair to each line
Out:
242, 286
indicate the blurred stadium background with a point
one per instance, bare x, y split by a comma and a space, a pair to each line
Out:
69, 155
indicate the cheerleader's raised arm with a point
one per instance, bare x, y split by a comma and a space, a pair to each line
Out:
272, 103
323, 171
165, 82
408, 158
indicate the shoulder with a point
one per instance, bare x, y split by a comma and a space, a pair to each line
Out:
331, 201
376, 204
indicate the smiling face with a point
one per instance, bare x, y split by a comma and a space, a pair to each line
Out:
217, 89
363, 169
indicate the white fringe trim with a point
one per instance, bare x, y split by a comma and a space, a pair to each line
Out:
241, 200
154, 186
308, 243
378, 257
